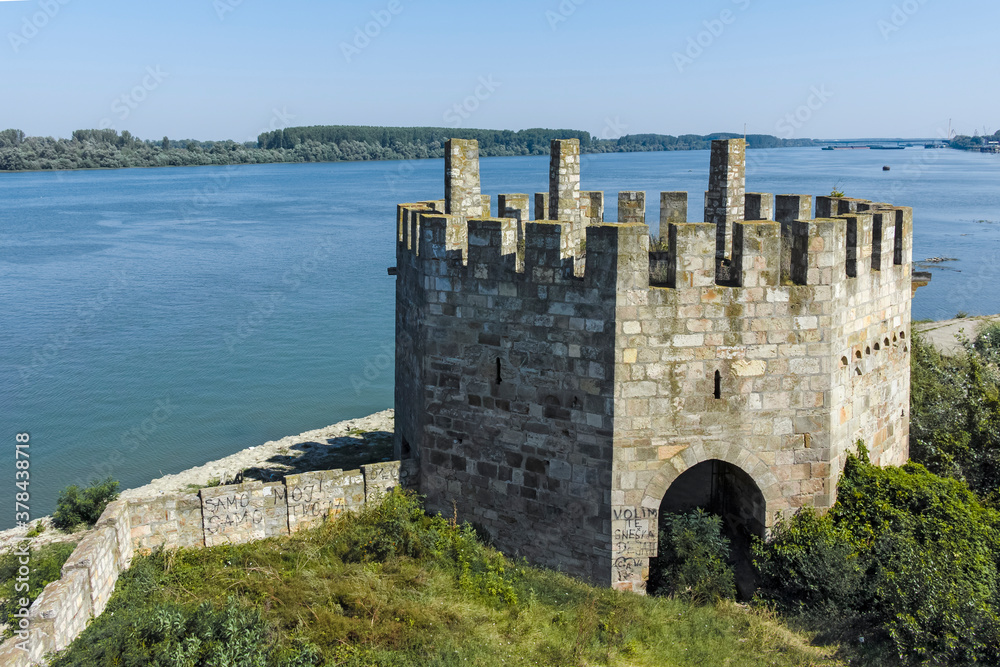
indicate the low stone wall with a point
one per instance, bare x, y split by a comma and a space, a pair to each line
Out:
217, 515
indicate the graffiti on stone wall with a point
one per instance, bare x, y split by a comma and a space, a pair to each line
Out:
233, 513
381, 478
313, 498
634, 532
628, 568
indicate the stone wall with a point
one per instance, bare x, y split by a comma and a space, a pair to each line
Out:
554, 402
218, 515
545, 451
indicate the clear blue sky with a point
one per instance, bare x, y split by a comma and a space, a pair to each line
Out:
224, 67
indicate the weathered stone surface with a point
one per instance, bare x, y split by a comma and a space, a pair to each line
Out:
725, 199
547, 401
217, 515
462, 195
673, 210
759, 206
632, 207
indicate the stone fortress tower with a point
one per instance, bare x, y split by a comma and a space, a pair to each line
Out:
560, 384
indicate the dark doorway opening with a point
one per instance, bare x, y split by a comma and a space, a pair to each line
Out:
726, 491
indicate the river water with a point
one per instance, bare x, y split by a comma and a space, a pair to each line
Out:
156, 319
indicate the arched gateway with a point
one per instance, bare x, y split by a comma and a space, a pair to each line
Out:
725, 490
729, 481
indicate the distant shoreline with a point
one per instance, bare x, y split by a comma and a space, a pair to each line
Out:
388, 159
106, 149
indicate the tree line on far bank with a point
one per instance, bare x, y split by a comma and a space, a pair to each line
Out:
107, 149
975, 142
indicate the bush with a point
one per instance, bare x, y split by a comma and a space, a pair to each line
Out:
692, 561
955, 412
83, 506
988, 340
905, 557
809, 566
398, 526
174, 635
45, 565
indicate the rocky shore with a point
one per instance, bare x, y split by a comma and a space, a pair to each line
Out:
345, 444
944, 334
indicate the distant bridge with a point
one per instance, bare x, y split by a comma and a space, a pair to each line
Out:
883, 142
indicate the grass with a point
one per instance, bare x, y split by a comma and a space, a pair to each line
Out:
45, 565
392, 586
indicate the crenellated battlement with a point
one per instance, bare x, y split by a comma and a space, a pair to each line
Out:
748, 239
820, 251
561, 378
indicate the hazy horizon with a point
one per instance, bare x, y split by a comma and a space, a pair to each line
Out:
230, 69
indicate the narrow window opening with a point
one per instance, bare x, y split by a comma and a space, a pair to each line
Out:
857, 354
499, 378
868, 350
718, 385
843, 362
404, 449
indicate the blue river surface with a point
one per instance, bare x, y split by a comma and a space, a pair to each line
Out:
156, 319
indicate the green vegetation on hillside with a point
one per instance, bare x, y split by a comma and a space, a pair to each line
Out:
391, 586
44, 566
955, 411
76, 506
88, 149
905, 562
904, 570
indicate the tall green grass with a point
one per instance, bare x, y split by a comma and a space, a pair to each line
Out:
391, 586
